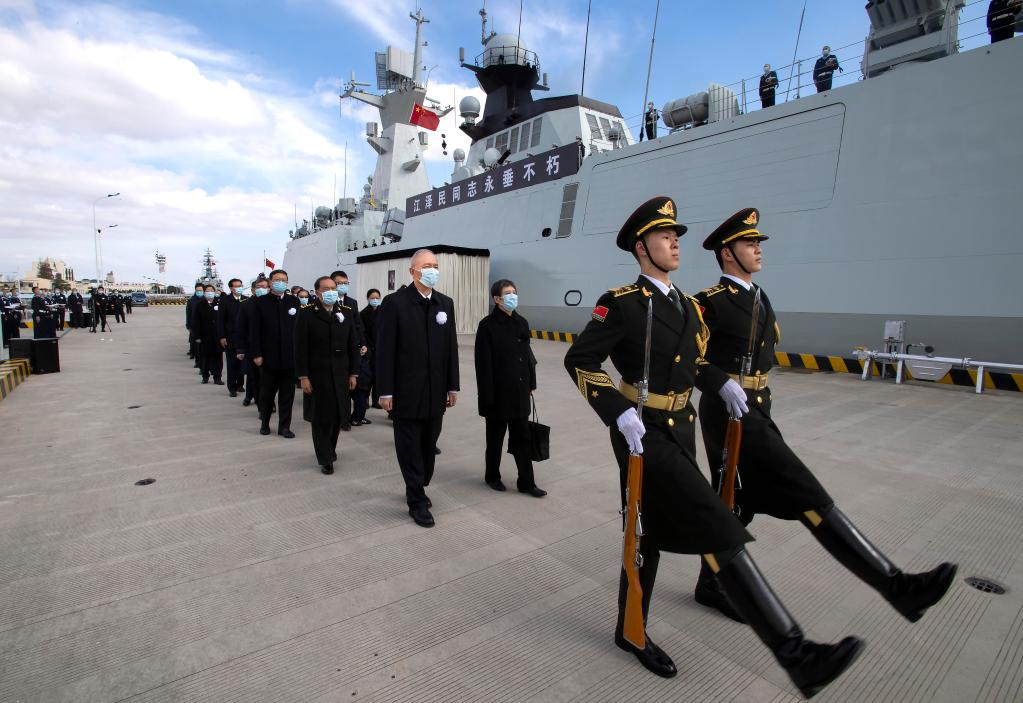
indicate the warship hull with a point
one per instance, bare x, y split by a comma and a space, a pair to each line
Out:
889, 198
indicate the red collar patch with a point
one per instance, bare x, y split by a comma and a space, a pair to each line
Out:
599, 313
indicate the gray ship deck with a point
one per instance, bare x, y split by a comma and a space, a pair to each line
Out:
243, 574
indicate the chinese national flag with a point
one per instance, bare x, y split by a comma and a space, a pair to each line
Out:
270, 264
424, 118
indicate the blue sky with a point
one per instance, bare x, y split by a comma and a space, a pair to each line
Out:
216, 119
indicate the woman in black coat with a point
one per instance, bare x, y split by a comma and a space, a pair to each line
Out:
505, 379
327, 366
204, 334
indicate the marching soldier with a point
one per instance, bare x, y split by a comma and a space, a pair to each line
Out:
773, 479
680, 511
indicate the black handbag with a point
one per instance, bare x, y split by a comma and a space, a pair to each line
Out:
538, 436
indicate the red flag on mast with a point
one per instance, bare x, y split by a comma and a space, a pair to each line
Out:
270, 264
424, 118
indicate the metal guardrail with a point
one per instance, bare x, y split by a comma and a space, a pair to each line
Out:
930, 366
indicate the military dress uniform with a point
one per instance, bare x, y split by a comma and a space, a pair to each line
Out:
774, 481
10, 317
680, 510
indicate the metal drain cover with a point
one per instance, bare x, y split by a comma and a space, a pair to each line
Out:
145, 482
985, 585
134, 407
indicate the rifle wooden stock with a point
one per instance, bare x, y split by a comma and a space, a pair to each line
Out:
730, 461
634, 630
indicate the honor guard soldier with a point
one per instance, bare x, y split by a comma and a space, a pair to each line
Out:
60, 300
10, 315
655, 334
772, 479
768, 83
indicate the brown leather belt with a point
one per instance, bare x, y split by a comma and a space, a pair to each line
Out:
672, 402
751, 383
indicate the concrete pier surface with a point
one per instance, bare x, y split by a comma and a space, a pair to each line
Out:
244, 574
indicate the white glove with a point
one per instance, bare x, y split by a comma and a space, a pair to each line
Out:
631, 426
734, 397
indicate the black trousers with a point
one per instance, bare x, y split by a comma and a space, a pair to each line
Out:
325, 440
767, 99
212, 363
518, 431
360, 402
101, 320
60, 320
279, 384
234, 368
651, 130
823, 84
76, 318
1002, 34
414, 443
251, 373
119, 315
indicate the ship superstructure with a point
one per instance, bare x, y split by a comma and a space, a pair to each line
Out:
880, 205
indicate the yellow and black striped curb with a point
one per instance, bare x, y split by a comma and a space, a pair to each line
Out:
552, 336
955, 377
839, 364
12, 373
166, 302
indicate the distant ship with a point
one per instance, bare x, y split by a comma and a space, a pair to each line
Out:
893, 197
209, 274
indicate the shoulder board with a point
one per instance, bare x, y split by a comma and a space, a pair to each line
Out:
624, 290
713, 290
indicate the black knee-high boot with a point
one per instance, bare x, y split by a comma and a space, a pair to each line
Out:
652, 657
811, 666
910, 594
709, 593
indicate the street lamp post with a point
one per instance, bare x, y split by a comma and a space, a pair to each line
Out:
100, 240
96, 231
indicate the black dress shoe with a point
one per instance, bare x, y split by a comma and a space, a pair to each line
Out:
421, 515
535, 491
233, 393
218, 382
328, 468
652, 657
823, 663
287, 434
364, 421
346, 428
497, 485
247, 402
264, 430
913, 594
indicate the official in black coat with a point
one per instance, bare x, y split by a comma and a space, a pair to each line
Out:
774, 481
272, 347
340, 279
417, 374
768, 84
227, 333
117, 299
40, 312
189, 309
204, 334
327, 364
824, 69
680, 511
260, 287
505, 381
1001, 19
75, 305
366, 386
98, 303
60, 300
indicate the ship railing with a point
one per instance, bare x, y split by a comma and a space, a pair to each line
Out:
507, 55
972, 27
927, 367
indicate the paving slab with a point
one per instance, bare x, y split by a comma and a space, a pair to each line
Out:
243, 574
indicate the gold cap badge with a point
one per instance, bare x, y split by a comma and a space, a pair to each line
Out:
752, 219
668, 209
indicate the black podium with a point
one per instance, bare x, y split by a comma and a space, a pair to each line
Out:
42, 354
45, 326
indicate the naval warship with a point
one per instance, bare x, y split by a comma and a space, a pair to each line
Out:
209, 272
888, 198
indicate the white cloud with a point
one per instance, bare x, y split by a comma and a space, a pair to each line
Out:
204, 150
387, 19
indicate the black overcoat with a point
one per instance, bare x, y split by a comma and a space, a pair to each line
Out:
327, 353
227, 320
272, 330
505, 371
417, 352
681, 512
204, 325
74, 302
774, 480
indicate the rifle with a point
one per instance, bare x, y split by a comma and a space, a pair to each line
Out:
729, 472
634, 630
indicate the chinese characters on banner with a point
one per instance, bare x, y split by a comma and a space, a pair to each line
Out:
542, 168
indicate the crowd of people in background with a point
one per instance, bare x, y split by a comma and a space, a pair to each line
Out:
398, 354
51, 311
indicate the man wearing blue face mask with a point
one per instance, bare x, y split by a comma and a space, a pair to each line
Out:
260, 287
227, 333
272, 347
204, 334
417, 374
189, 311
342, 283
366, 373
505, 381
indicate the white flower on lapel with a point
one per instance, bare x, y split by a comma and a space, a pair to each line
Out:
340, 317
292, 311
442, 317
216, 307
